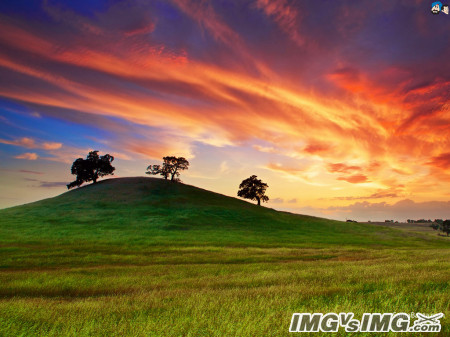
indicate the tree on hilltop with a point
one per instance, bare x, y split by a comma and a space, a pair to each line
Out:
91, 168
171, 167
254, 189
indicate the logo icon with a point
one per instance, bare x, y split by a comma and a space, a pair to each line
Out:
427, 323
436, 7
369, 322
444, 9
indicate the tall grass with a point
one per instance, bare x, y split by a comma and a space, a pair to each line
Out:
143, 257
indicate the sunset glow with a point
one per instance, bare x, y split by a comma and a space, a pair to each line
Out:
341, 107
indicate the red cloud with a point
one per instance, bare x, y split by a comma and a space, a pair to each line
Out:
286, 16
207, 100
355, 179
317, 148
442, 161
342, 168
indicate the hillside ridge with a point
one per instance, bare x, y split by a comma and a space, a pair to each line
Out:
152, 211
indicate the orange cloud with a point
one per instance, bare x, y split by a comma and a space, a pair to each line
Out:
24, 142
380, 194
51, 146
355, 179
156, 86
317, 148
441, 161
27, 156
31, 144
343, 168
281, 168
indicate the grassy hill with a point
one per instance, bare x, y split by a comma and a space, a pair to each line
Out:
145, 257
149, 211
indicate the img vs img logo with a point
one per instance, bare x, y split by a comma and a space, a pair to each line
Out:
437, 7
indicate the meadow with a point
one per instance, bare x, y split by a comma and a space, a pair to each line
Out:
145, 257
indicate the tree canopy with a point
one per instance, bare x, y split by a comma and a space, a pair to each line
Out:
171, 167
446, 226
91, 168
254, 189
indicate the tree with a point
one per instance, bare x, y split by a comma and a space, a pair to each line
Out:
253, 189
91, 168
171, 167
157, 169
446, 226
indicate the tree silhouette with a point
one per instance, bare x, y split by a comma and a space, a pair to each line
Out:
91, 168
157, 169
253, 189
446, 226
171, 167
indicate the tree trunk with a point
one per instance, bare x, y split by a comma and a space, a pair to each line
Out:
259, 201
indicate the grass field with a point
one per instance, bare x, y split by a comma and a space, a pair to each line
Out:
145, 257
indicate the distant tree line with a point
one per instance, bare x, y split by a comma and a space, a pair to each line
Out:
442, 225
446, 226
423, 221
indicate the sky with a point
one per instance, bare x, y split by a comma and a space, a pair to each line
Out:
341, 107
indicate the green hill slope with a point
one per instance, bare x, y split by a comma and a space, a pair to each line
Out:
149, 211
145, 257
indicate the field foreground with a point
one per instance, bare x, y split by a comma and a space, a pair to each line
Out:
143, 257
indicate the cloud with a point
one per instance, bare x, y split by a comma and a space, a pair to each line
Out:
402, 210
23, 142
22, 171
285, 15
51, 146
285, 169
381, 194
317, 148
282, 201
204, 14
305, 174
441, 161
355, 179
51, 184
163, 79
30, 172
224, 167
48, 184
31, 143
277, 200
27, 156
267, 149
343, 168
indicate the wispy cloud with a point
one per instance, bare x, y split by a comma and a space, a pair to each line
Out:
326, 97
381, 194
285, 15
30, 172
30, 143
27, 156
48, 184
355, 179
401, 210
